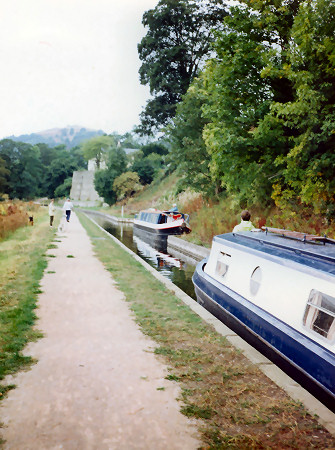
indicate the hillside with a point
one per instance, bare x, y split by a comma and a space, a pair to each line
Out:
69, 136
212, 217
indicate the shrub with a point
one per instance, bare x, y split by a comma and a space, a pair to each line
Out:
14, 215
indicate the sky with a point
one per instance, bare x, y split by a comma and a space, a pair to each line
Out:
70, 62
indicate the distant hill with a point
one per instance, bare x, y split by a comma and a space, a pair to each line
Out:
69, 136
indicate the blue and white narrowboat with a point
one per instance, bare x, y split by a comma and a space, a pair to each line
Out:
162, 223
276, 289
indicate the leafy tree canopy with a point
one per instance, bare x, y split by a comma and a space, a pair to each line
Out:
126, 184
37, 170
189, 154
179, 37
63, 190
145, 170
260, 117
154, 147
97, 148
4, 175
25, 169
307, 168
60, 169
104, 179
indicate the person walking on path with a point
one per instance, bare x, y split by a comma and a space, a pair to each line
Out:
245, 224
97, 384
52, 210
67, 207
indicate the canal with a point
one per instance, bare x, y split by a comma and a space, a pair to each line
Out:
179, 271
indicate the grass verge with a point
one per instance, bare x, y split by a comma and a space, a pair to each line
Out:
237, 406
22, 263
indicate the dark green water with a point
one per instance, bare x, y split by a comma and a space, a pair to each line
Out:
178, 271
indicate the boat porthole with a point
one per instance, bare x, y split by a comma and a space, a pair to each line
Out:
255, 280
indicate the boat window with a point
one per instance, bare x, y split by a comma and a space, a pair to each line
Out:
153, 218
320, 314
255, 280
162, 218
222, 265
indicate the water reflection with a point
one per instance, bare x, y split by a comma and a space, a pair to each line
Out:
175, 269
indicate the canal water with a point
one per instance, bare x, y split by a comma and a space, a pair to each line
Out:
177, 270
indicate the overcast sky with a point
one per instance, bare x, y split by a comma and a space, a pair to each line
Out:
70, 62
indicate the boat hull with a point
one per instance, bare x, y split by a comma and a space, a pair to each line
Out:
307, 362
173, 230
156, 240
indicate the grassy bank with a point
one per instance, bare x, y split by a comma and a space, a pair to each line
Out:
22, 262
209, 218
159, 194
237, 405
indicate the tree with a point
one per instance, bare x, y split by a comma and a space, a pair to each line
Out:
234, 94
25, 168
37, 170
128, 140
145, 167
103, 184
188, 153
104, 178
267, 106
154, 147
307, 168
79, 160
48, 154
60, 169
212, 131
97, 148
126, 185
63, 190
179, 37
4, 175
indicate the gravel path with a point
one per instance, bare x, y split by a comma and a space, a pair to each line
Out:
97, 384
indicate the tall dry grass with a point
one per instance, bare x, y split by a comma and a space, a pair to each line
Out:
15, 214
208, 218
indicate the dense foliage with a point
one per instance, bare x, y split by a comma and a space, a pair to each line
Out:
97, 148
126, 184
116, 161
30, 171
119, 172
179, 35
258, 122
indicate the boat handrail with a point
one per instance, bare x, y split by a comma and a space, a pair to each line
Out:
300, 236
299, 251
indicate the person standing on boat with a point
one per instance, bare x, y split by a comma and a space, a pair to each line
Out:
52, 210
174, 208
67, 207
245, 224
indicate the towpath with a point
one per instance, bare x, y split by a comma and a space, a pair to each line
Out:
97, 384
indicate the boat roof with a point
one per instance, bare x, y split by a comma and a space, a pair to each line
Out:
318, 254
158, 211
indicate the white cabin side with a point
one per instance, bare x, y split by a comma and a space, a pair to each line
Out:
282, 290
